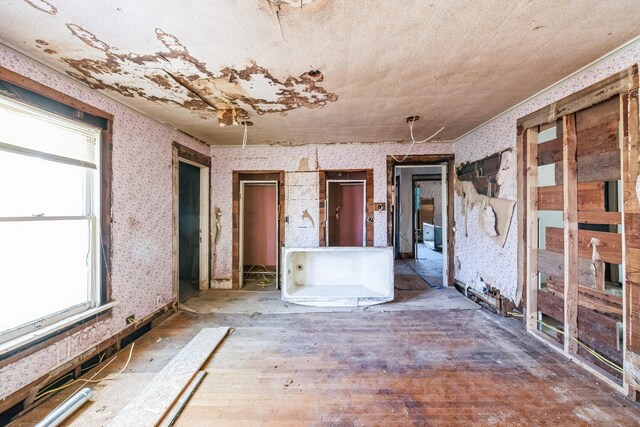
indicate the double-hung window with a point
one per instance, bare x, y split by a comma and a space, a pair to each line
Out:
49, 219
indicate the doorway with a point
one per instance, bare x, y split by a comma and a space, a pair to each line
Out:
259, 230
419, 217
189, 231
191, 185
346, 209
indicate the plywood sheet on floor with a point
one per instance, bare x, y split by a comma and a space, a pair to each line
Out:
150, 405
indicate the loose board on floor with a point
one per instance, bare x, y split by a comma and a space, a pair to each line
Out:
149, 407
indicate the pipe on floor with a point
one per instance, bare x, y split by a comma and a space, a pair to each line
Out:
66, 409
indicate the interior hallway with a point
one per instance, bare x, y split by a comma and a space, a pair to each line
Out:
427, 264
432, 357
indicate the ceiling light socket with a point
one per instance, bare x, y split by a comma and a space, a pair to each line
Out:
411, 119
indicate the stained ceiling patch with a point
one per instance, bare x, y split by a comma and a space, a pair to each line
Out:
174, 76
43, 6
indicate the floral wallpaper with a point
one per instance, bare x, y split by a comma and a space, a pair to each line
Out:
142, 220
142, 204
478, 260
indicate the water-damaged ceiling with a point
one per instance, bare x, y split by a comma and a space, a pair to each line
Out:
317, 71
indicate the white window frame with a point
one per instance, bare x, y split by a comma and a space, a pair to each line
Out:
35, 329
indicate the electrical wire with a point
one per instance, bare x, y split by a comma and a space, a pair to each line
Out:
244, 138
264, 278
588, 349
90, 380
93, 366
413, 141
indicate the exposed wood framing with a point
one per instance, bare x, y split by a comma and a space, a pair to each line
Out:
570, 187
575, 293
594, 329
631, 224
521, 212
621, 82
531, 147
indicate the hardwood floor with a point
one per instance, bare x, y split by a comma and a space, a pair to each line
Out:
435, 366
396, 368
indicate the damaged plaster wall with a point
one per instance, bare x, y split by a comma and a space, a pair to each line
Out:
306, 158
142, 222
478, 260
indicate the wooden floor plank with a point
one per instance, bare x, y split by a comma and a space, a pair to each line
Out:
451, 366
149, 406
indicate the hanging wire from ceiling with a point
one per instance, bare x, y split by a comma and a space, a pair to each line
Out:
244, 138
411, 121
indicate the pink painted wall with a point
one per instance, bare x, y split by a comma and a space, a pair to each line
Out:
260, 226
142, 221
476, 255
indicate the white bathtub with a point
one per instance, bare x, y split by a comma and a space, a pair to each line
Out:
337, 276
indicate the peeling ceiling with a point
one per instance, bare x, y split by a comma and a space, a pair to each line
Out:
317, 71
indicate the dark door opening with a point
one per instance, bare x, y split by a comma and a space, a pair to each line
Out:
189, 230
345, 213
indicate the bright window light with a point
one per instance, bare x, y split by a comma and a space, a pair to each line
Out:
49, 235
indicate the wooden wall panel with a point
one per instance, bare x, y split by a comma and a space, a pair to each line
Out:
552, 264
588, 217
596, 330
608, 167
590, 298
604, 112
550, 152
551, 305
602, 138
610, 247
590, 197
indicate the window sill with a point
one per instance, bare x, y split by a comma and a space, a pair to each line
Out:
51, 330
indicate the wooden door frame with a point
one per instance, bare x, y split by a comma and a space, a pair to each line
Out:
425, 160
256, 175
182, 154
241, 200
364, 207
322, 202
